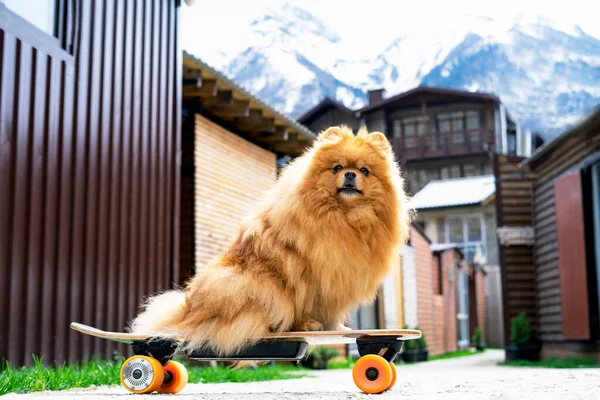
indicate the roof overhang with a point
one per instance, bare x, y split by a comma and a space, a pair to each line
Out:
455, 193
423, 92
242, 112
583, 126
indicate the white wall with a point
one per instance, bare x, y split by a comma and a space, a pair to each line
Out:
409, 286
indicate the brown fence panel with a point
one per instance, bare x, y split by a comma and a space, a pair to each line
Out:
89, 172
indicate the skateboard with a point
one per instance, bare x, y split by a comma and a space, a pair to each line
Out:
152, 367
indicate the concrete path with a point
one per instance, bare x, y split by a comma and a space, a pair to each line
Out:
473, 377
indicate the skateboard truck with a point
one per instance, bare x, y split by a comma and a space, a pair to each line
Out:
160, 349
387, 347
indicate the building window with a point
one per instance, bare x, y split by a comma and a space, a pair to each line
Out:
423, 179
445, 173
473, 120
411, 128
41, 13
469, 170
413, 181
454, 124
511, 143
455, 171
474, 126
469, 232
397, 129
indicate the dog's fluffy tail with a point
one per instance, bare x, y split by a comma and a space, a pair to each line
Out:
162, 313
239, 322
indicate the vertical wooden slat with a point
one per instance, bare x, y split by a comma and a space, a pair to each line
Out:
104, 172
125, 156
572, 262
80, 299
174, 132
124, 73
35, 240
152, 145
51, 210
21, 200
64, 289
117, 135
161, 144
145, 267
135, 217
7, 139
174, 135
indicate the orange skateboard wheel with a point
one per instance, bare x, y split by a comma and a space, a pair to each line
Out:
178, 378
142, 374
372, 374
394, 373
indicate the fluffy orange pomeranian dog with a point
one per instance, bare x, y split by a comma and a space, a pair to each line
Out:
319, 245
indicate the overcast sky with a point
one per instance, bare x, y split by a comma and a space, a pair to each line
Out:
208, 24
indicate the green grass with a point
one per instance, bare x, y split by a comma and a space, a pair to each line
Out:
455, 354
555, 363
341, 363
40, 377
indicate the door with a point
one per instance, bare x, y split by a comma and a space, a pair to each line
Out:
409, 286
462, 315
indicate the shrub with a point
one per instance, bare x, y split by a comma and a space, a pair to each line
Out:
519, 330
477, 337
421, 342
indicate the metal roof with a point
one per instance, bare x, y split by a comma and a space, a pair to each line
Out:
323, 104
454, 192
429, 89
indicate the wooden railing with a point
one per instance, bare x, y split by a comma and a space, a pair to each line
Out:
438, 144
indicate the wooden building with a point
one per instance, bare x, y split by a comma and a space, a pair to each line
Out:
90, 102
329, 113
436, 133
550, 234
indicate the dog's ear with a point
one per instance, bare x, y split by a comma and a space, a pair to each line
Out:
379, 140
333, 134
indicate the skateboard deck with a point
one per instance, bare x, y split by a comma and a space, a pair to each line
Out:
311, 337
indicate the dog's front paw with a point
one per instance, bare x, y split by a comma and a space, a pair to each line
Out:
308, 324
342, 327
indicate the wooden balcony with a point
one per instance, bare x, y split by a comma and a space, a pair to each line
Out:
440, 145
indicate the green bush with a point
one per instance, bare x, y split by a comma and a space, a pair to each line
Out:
415, 344
421, 342
323, 353
409, 344
477, 337
519, 330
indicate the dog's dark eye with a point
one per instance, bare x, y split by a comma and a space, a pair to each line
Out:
364, 171
337, 169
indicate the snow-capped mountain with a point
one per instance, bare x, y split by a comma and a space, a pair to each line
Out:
547, 74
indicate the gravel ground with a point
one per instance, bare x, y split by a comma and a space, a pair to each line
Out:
472, 377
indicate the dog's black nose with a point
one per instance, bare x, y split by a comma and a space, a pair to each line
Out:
350, 175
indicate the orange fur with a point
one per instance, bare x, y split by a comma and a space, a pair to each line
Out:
304, 259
